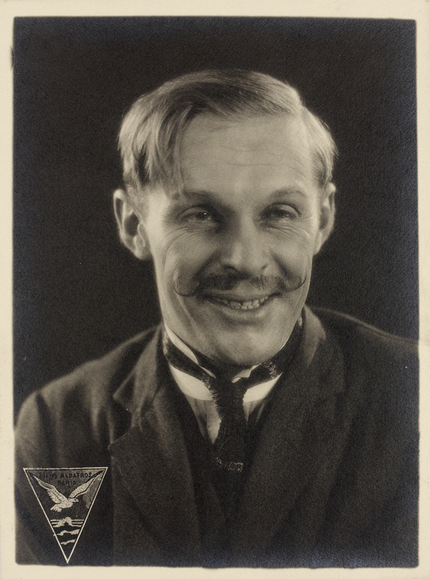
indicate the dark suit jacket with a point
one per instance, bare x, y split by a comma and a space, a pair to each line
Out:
333, 480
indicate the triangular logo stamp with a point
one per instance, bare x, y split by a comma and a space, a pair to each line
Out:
66, 497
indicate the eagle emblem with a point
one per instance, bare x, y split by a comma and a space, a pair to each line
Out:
61, 501
72, 490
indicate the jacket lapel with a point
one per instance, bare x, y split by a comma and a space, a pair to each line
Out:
287, 457
151, 459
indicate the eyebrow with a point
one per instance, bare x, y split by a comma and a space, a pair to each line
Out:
207, 195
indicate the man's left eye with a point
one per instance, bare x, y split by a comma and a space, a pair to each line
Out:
281, 212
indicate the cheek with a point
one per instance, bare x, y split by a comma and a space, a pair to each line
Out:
170, 248
179, 261
294, 252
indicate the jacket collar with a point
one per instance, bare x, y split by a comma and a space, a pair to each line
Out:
137, 391
151, 456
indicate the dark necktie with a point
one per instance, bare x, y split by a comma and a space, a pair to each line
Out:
229, 450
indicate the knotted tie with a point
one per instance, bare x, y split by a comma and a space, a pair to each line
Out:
229, 450
228, 396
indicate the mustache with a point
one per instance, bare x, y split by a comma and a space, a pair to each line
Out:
229, 280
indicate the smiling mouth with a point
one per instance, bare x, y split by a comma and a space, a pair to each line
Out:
240, 305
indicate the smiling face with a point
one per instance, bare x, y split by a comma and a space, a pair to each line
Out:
233, 249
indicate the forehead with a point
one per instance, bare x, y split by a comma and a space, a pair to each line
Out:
258, 148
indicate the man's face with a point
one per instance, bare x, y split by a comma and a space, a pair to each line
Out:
233, 250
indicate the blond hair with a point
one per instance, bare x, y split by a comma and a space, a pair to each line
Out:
151, 131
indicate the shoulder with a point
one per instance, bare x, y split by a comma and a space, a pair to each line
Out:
383, 367
100, 377
82, 402
106, 373
359, 337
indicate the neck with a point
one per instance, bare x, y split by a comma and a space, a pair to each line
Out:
227, 370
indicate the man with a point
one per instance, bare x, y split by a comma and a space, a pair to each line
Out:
246, 430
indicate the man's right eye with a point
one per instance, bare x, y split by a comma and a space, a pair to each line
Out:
199, 215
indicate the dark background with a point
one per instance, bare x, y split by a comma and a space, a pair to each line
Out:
78, 293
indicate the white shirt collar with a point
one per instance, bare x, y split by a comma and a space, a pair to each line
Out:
196, 389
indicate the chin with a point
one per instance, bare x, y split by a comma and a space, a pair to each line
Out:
246, 357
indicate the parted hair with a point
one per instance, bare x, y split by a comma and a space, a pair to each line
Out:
151, 131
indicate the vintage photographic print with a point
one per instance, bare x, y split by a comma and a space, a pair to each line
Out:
216, 292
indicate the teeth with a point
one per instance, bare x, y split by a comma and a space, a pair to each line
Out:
250, 305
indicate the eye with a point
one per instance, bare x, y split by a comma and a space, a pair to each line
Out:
199, 215
280, 213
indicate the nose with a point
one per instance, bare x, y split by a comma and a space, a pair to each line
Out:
244, 249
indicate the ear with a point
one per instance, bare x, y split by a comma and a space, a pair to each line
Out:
131, 227
327, 212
